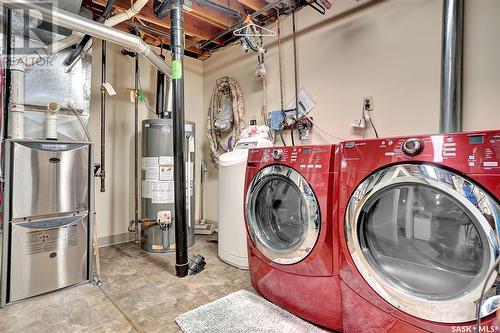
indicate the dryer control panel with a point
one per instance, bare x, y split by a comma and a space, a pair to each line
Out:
469, 152
301, 158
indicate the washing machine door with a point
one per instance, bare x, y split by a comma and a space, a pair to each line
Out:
283, 214
424, 238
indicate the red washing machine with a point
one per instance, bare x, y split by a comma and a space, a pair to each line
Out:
293, 254
418, 233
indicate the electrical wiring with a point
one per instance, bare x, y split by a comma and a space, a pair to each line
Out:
282, 139
318, 127
366, 116
373, 126
146, 101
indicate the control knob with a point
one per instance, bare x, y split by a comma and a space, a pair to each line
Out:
413, 146
277, 154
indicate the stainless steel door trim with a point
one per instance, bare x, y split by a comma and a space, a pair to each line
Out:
311, 235
455, 310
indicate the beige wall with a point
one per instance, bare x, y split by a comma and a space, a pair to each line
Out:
115, 207
390, 50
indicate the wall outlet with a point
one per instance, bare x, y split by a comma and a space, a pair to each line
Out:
368, 103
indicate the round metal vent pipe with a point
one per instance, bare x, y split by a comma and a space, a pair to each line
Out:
451, 66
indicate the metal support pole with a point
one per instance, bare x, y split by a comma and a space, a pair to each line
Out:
177, 49
136, 150
451, 67
103, 116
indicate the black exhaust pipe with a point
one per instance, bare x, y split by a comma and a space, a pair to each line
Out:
177, 49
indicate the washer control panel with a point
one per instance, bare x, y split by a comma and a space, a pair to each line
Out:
469, 152
302, 158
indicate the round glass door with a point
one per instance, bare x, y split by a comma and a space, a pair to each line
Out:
424, 239
282, 214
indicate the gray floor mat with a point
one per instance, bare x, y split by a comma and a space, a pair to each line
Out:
242, 312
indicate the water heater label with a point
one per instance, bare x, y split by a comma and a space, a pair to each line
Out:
151, 174
166, 172
149, 162
162, 192
166, 160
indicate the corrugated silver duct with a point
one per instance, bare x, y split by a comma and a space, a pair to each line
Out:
451, 67
89, 27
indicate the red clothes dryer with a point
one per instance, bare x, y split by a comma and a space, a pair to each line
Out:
418, 232
293, 254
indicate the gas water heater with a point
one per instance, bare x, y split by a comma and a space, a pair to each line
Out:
158, 227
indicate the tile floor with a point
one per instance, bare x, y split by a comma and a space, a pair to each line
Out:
142, 284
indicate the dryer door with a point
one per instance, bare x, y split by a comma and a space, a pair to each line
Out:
424, 239
283, 214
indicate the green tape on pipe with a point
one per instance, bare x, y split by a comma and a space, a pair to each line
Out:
176, 70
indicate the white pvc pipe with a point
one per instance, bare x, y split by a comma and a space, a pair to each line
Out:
16, 121
127, 14
51, 121
16, 107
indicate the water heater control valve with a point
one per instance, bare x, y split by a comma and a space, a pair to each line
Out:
164, 217
277, 154
413, 146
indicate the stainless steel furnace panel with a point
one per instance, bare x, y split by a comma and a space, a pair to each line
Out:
49, 178
49, 254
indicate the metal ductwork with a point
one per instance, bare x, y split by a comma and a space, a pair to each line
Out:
451, 67
74, 22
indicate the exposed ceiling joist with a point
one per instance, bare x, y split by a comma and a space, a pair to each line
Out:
193, 26
253, 4
206, 26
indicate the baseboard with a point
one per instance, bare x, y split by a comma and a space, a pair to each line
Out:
115, 239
